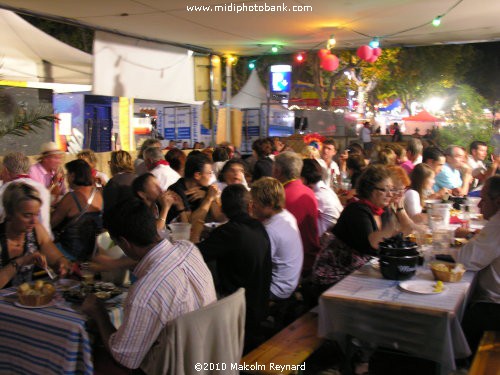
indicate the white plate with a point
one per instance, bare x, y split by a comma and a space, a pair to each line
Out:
19, 304
421, 287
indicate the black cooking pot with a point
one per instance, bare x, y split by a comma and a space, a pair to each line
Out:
399, 258
398, 267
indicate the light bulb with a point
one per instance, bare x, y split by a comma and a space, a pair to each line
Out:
436, 21
299, 57
374, 43
331, 42
251, 65
274, 49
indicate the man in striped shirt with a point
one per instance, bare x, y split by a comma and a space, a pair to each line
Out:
172, 280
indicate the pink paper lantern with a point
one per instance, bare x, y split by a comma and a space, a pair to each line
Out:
372, 59
364, 52
322, 53
330, 63
377, 52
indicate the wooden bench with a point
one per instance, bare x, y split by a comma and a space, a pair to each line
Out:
487, 358
291, 346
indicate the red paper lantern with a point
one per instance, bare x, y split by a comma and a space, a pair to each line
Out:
364, 52
372, 59
322, 53
377, 52
330, 63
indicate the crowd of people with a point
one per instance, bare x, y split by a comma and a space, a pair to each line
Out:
288, 224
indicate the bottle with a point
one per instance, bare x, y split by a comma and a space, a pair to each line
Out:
446, 197
466, 217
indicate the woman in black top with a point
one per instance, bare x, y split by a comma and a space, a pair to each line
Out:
359, 229
119, 187
77, 219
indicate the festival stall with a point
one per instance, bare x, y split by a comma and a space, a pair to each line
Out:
422, 120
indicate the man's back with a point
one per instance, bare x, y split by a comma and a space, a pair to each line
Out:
242, 251
172, 280
287, 253
302, 203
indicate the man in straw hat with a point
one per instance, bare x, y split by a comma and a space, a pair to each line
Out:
48, 170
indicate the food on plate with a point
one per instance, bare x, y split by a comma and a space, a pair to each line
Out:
38, 285
38, 294
48, 288
23, 288
457, 242
438, 288
103, 295
101, 290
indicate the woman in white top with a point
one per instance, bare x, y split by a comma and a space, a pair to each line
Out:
422, 180
232, 172
328, 202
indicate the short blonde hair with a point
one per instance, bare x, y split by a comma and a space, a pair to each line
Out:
88, 155
15, 194
386, 156
120, 161
269, 192
310, 152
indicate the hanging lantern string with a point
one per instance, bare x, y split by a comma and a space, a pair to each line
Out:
409, 29
380, 37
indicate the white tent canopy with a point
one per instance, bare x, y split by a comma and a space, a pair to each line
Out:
234, 27
251, 95
28, 54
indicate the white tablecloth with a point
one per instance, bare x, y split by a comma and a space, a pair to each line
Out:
375, 310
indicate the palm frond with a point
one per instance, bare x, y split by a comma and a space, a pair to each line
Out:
27, 121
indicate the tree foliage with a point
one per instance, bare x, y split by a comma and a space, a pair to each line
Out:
78, 37
467, 122
419, 72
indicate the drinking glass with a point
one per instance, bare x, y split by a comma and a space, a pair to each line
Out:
87, 273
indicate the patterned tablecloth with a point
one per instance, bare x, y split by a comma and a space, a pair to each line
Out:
51, 340
377, 311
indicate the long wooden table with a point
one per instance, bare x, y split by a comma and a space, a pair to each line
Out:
375, 310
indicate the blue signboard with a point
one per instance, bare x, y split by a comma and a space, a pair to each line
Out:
184, 132
253, 131
169, 133
281, 79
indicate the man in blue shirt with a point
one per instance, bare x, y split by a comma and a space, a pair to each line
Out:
450, 176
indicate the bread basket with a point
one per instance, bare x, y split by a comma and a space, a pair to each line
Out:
450, 273
36, 298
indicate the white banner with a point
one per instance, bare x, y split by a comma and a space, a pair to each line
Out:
138, 69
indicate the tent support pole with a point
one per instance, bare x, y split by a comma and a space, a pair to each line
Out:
210, 99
